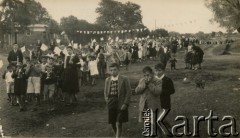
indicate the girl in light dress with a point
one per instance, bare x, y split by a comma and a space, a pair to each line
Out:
92, 65
140, 51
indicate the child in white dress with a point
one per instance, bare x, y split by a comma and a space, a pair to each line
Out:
92, 65
9, 83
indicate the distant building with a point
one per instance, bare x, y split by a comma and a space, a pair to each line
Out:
30, 36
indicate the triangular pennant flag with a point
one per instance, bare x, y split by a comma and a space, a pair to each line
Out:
122, 31
141, 30
145, 28
97, 32
96, 48
129, 31
80, 46
57, 50
1, 64
80, 32
62, 33
65, 52
116, 39
58, 41
137, 30
126, 31
77, 31
101, 38
111, 41
109, 38
44, 47
84, 32
23, 49
128, 40
75, 46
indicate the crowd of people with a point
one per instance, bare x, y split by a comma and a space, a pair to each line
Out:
35, 75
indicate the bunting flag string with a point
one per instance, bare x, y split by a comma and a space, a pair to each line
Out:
97, 32
111, 31
179, 24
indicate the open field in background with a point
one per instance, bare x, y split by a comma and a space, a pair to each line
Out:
89, 117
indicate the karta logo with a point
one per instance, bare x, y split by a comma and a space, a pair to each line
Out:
152, 122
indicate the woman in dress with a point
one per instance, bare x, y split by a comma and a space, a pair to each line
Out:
70, 75
140, 51
135, 53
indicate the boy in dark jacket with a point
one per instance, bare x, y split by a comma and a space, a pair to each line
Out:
49, 84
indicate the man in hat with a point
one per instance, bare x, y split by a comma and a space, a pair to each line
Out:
15, 55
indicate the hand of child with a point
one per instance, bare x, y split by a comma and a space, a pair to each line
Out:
142, 84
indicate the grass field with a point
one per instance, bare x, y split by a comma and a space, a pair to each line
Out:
89, 117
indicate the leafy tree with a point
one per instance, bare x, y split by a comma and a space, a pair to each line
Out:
226, 13
160, 33
72, 24
173, 34
16, 14
53, 26
213, 34
37, 13
13, 14
116, 15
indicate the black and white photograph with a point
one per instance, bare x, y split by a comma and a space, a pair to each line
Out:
120, 68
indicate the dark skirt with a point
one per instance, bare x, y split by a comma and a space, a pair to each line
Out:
70, 81
194, 59
20, 86
200, 58
135, 55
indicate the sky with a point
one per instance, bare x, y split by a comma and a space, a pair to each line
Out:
184, 16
